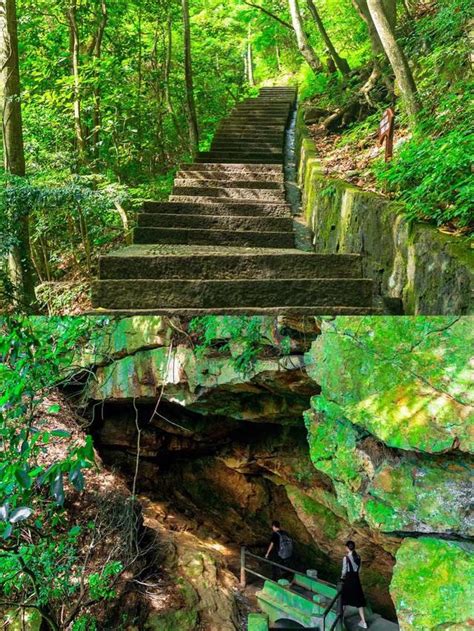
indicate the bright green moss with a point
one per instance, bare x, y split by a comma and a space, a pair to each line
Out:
432, 586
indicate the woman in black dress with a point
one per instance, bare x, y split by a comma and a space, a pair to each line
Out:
352, 593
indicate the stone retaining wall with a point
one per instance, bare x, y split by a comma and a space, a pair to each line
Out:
417, 270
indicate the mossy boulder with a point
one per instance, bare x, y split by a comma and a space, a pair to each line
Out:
432, 585
390, 490
407, 382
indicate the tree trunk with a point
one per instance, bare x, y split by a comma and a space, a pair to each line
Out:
396, 57
97, 53
250, 76
188, 71
304, 46
167, 73
74, 51
363, 10
341, 64
20, 263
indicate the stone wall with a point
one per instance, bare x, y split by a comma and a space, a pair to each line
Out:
416, 269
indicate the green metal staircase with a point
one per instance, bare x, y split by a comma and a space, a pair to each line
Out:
305, 603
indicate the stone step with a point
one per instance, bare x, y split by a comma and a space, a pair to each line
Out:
273, 110
194, 236
230, 176
230, 193
239, 137
255, 120
220, 294
251, 169
248, 148
240, 156
239, 209
200, 199
216, 222
188, 262
248, 145
243, 311
248, 125
220, 160
208, 183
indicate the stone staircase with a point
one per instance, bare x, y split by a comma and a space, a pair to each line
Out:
225, 241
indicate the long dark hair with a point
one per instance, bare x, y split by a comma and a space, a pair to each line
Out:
352, 547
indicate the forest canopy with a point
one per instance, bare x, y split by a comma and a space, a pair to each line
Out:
105, 99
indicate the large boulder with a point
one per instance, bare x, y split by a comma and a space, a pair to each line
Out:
432, 585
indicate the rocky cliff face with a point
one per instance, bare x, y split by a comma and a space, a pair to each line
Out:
331, 429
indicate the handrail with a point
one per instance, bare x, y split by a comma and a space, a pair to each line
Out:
270, 580
283, 567
337, 598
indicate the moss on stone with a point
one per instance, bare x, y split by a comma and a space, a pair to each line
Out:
431, 585
324, 519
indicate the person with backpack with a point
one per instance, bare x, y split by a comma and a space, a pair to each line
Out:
352, 593
280, 549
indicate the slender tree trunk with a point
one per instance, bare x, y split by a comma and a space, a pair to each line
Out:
74, 51
140, 81
20, 263
277, 55
97, 53
304, 46
341, 64
167, 74
250, 76
363, 10
396, 56
188, 71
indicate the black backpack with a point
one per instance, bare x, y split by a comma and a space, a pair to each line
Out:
285, 549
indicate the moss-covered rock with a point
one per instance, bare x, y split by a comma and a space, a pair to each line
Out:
389, 490
415, 268
408, 382
432, 585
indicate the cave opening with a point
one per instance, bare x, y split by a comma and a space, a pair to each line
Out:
225, 480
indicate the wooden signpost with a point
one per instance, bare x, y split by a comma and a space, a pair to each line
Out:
386, 132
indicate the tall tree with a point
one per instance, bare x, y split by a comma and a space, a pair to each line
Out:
384, 21
188, 71
341, 64
95, 50
249, 58
20, 264
304, 46
74, 44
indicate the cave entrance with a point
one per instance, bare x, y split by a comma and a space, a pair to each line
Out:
225, 480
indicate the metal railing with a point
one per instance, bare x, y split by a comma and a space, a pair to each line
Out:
337, 600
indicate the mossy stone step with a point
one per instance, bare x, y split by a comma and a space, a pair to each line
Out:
196, 236
188, 262
229, 176
237, 159
224, 242
249, 144
216, 222
231, 192
211, 183
229, 208
226, 294
226, 168
223, 200
240, 156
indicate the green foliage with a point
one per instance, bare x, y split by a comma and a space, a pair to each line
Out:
244, 338
431, 172
41, 562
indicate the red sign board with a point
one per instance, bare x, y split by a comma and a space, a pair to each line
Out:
386, 132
